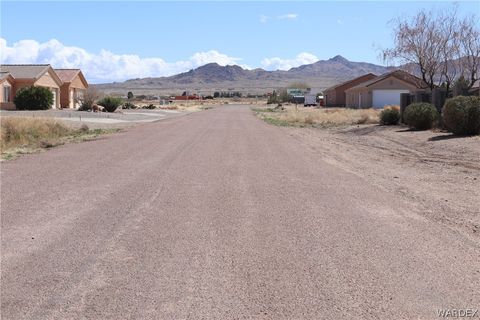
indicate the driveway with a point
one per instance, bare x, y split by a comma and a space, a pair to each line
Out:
218, 215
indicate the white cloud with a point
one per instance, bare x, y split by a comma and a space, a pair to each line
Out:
289, 16
340, 22
264, 18
276, 63
104, 66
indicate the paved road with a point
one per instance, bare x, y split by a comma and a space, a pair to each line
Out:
217, 215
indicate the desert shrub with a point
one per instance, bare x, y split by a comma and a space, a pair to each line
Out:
389, 117
129, 105
33, 98
85, 106
461, 115
110, 103
272, 100
84, 128
420, 116
150, 106
89, 98
364, 118
284, 97
309, 119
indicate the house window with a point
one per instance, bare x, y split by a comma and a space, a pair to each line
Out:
6, 94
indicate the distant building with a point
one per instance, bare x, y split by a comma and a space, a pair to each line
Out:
384, 90
335, 96
298, 92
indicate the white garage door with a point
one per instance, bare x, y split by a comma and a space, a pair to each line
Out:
383, 98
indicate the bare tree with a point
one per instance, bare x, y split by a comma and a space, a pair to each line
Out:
449, 47
416, 42
89, 98
437, 45
469, 49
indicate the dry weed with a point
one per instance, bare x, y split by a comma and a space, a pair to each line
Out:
329, 117
19, 131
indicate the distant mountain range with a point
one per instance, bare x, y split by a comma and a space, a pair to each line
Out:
213, 77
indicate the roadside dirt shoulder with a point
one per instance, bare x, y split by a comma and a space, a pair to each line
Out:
438, 174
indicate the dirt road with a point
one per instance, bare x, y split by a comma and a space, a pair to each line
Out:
217, 215
437, 173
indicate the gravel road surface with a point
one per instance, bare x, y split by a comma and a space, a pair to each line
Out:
218, 215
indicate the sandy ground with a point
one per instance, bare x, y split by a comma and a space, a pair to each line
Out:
219, 215
437, 173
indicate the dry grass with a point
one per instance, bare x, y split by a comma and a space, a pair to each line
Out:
17, 132
322, 117
392, 107
25, 135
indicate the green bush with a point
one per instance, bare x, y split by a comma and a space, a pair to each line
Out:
420, 116
85, 106
389, 117
110, 103
33, 98
461, 115
150, 106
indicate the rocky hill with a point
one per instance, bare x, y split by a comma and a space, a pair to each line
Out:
213, 77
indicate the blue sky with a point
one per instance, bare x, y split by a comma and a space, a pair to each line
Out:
121, 40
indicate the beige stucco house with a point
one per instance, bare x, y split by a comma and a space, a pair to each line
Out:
73, 88
384, 90
41, 75
6, 86
335, 95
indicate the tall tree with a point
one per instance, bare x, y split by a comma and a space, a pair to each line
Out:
449, 47
416, 42
439, 45
469, 47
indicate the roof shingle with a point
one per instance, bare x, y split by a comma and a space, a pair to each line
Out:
67, 75
349, 81
399, 74
24, 71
